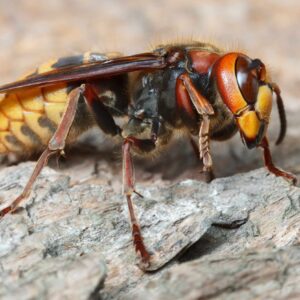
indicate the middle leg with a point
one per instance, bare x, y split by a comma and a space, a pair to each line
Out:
129, 189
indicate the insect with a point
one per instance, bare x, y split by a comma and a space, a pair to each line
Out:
193, 87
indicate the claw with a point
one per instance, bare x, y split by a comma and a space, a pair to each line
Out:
144, 262
12, 207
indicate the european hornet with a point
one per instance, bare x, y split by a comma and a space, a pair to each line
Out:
193, 87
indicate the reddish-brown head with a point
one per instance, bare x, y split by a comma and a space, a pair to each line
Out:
244, 88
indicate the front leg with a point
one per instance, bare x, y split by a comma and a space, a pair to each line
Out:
205, 110
204, 149
270, 165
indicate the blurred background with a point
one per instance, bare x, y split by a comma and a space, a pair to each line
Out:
32, 32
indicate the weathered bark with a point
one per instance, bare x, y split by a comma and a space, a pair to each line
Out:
56, 246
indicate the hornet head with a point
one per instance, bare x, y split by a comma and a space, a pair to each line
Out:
246, 91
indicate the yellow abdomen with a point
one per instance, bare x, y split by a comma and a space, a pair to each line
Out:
28, 119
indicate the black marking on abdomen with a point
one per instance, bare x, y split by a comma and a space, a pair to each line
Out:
69, 61
27, 131
77, 60
14, 141
47, 123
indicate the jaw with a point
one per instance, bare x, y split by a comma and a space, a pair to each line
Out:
252, 128
253, 123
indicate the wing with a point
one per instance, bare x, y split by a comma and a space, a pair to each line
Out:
91, 70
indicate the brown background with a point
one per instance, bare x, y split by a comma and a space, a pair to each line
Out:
34, 31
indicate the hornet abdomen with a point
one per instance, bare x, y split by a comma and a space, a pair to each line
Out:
28, 119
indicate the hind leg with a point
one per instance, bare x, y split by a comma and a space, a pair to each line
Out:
55, 145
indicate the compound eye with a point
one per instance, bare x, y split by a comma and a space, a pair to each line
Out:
247, 79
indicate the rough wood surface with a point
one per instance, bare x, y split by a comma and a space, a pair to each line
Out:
267, 274
71, 232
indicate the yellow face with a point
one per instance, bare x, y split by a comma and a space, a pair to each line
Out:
253, 122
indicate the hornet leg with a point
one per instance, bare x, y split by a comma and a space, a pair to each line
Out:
55, 145
205, 109
128, 190
106, 122
101, 114
270, 165
205, 149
